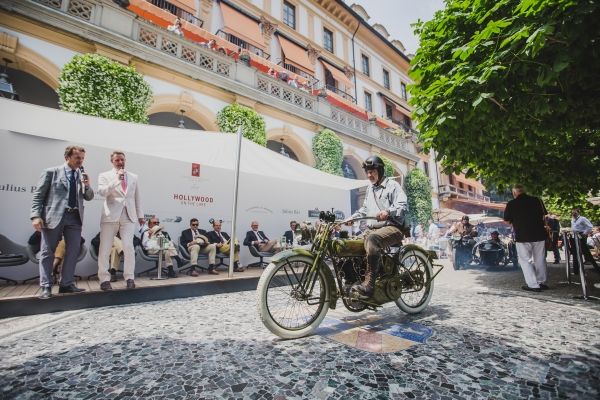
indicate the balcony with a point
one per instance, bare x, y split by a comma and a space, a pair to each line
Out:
451, 190
143, 35
243, 44
177, 11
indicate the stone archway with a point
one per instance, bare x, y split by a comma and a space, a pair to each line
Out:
171, 103
293, 142
24, 59
35, 78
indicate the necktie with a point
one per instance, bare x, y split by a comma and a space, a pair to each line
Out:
124, 183
258, 235
72, 190
220, 237
195, 233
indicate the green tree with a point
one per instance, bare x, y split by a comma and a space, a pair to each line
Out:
328, 151
563, 209
509, 90
231, 117
388, 169
418, 193
95, 85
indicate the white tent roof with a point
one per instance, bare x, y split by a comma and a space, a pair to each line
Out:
214, 149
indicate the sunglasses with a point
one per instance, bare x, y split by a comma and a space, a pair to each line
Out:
194, 224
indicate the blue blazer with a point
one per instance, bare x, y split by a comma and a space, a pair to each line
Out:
51, 196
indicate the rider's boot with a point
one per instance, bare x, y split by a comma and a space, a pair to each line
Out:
367, 287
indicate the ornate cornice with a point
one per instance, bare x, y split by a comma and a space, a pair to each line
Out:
313, 54
267, 28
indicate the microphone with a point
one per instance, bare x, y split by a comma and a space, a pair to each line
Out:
83, 178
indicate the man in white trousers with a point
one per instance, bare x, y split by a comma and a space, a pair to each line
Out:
122, 209
526, 214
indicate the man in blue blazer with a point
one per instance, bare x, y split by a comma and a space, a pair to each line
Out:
56, 211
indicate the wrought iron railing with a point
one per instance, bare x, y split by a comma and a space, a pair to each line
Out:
181, 13
243, 44
341, 93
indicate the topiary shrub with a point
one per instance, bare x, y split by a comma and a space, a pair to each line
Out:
95, 85
388, 167
328, 151
230, 118
418, 193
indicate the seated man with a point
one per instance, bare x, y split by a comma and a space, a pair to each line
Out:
464, 228
290, 235
258, 239
197, 242
223, 243
151, 244
116, 252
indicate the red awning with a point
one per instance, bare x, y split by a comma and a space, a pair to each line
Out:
296, 55
242, 26
338, 75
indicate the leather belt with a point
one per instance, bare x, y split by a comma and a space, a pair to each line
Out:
71, 210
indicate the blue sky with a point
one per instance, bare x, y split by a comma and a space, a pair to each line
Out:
397, 15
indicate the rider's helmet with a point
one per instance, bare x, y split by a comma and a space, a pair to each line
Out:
375, 162
465, 218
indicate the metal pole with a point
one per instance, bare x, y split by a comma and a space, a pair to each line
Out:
566, 245
235, 200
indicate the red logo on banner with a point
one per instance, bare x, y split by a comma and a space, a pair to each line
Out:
195, 169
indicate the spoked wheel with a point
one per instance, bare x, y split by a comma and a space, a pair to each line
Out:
287, 305
418, 284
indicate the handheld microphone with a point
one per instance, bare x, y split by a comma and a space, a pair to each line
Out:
83, 178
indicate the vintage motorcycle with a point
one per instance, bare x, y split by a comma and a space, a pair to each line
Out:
461, 250
490, 253
298, 287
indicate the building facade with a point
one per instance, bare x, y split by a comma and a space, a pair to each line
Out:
303, 65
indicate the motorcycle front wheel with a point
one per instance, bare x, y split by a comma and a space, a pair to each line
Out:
456, 259
291, 301
418, 274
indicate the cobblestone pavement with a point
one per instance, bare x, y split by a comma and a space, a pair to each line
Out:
489, 341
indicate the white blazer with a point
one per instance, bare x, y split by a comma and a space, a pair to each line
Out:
109, 186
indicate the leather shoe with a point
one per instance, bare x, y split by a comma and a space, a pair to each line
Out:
530, 289
239, 269
130, 284
194, 273
543, 286
105, 286
213, 272
46, 293
70, 289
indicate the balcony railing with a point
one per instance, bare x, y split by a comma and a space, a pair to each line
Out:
243, 44
154, 43
313, 82
341, 93
285, 92
179, 12
451, 189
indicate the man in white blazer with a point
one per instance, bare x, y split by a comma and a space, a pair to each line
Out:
122, 209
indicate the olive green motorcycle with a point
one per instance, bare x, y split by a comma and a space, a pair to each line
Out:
300, 285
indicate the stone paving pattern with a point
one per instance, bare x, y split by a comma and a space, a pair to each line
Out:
490, 341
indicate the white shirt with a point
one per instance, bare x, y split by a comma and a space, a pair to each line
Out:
581, 225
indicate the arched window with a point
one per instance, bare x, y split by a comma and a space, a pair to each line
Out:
31, 89
281, 148
173, 120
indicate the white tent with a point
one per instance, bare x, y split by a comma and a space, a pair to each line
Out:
208, 148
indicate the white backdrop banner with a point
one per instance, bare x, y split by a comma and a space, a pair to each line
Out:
173, 190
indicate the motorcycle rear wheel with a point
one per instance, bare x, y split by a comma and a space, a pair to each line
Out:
456, 260
418, 296
283, 307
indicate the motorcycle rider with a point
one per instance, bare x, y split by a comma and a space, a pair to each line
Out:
384, 200
464, 228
